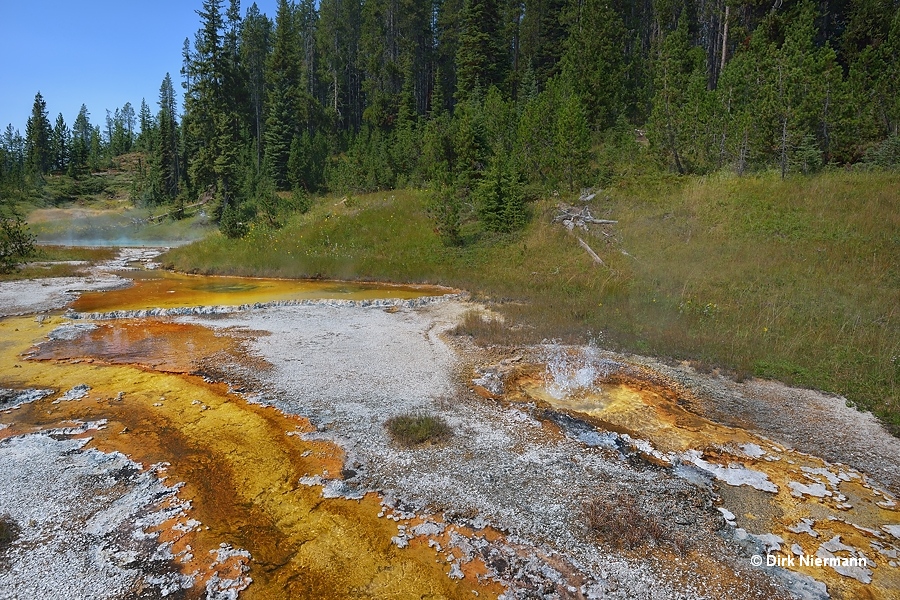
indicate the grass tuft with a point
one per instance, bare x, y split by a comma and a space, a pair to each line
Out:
413, 429
619, 521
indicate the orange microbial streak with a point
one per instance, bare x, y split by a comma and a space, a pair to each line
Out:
163, 289
832, 499
240, 464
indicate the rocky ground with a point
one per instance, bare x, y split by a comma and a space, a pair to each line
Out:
65, 547
520, 469
808, 420
536, 476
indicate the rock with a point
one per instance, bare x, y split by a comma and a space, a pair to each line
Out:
14, 398
76, 393
71, 331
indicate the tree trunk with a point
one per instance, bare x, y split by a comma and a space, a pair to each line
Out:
724, 40
742, 155
336, 88
784, 132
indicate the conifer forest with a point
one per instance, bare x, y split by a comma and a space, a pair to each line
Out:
532, 299
486, 102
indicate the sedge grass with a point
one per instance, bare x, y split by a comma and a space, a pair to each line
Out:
414, 429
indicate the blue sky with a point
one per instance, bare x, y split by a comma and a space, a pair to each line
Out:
101, 53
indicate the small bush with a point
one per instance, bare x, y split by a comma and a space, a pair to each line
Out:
413, 429
444, 207
16, 244
620, 522
234, 221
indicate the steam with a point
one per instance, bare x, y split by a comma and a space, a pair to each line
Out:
571, 370
68, 227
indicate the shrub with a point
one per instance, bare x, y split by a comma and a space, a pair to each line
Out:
16, 244
413, 429
500, 199
886, 154
234, 221
620, 522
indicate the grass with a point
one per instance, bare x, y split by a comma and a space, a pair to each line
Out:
796, 279
620, 522
51, 261
414, 429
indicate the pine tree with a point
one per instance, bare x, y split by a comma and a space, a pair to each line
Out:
500, 200
594, 59
12, 167
292, 110
543, 37
380, 56
204, 99
306, 164
82, 131
395, 52
536, 136
679, 94
256, 44
481, 58
96, 151
446, 15
469, 144
444, 209
573, 141
128, 121
284, 121
145, 120
61, 141
806, 80
874, 80
38, 133
337, 43
167, 142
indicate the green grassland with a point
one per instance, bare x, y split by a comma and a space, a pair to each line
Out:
59, 261
796, 280
84, 219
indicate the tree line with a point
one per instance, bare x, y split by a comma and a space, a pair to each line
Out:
486, 101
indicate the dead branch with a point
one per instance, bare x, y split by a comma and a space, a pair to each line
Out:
572, 217
590, 251
162, 216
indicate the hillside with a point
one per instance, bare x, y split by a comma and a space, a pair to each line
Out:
794, 279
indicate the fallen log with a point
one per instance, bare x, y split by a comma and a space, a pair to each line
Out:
152, 218
590, 251
572, 217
